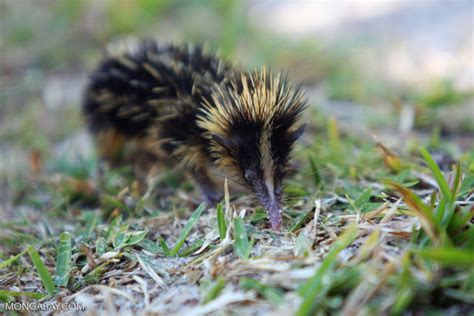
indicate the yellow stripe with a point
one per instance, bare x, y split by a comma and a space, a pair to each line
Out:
267, 161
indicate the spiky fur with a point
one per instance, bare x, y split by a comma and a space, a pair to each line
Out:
258, 103
190, 106
144, 90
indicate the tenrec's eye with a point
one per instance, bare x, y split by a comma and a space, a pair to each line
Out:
248, 175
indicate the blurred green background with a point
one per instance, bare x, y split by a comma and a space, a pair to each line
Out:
398, 70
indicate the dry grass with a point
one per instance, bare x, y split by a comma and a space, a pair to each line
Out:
390, 236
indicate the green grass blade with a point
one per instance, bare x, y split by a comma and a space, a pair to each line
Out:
363, 198
430, 225
272, 294
119, 239
444, 213
403, 298
316, 285
466, 238
462, 218
92, 277
12, 259
45, 277
241, 244
442, 183
91, 223
149, 246
449, 256
100, 246
457, 181
192, 248
214, 291
34, 295
221, 223
187, 229
314, 171
63, 261
300, 220
258, 216
467, 182
5, 298
133, 238
164, 247
468, 283
112, 227
463, 296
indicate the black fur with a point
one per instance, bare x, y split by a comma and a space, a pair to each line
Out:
185, 77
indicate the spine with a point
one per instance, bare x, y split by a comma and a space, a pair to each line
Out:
153, 92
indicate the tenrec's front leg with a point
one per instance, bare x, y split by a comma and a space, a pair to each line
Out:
207, 187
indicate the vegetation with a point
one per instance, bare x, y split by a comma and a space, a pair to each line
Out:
366, 230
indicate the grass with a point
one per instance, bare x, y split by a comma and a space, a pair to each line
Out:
187, 229
242, 247
314, 291
368, 228
42, 271
384, 240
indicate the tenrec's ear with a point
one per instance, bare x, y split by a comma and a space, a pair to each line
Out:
223, 141
295, 135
